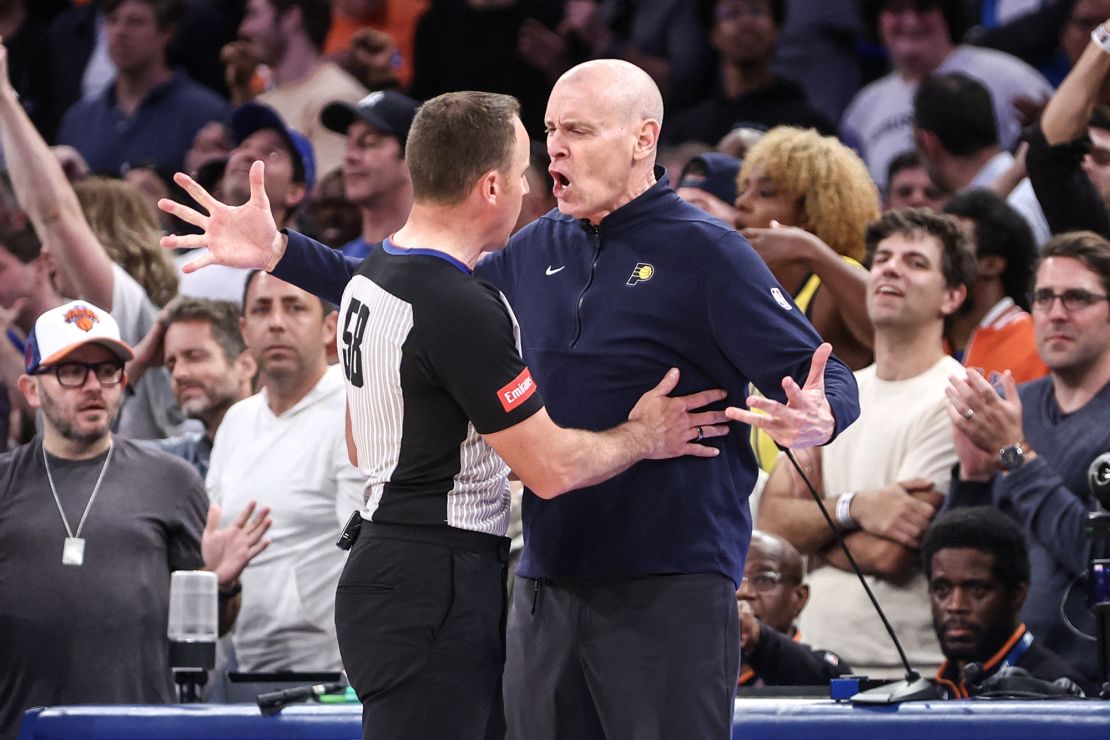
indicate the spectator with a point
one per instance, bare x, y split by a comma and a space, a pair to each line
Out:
709, 182
771, 596
335, 218
1028, 453
82, 267
447, 59
956, 137
665, 38
994, 331
1069, 152
909, 184
87, 597
747, 92
259, 133
883, 476
374, 171
149, 112
126, 224
921, 37
801, 179
211, 369
285, 447
977, 564
80, 66
288, 36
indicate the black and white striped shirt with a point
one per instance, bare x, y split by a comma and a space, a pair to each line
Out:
431, 356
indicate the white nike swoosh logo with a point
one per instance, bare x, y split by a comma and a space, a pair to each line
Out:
551, 271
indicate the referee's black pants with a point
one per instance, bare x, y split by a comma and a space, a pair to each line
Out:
419, 613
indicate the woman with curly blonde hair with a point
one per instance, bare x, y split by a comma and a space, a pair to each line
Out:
798, 178
124, 222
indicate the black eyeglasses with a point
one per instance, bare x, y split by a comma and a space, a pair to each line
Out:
1074, 299
763, 582
74, 374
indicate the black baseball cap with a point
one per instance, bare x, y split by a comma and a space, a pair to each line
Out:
388, 111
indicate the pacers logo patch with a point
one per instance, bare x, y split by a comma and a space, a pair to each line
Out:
518, 390
641, 274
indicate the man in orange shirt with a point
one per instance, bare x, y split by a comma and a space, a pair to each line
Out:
995, 331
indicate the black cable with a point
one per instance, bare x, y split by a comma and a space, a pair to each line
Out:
911, 674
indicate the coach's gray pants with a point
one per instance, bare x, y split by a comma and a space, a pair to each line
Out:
649, 658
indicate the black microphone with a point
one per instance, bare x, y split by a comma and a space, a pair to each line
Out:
272, 702
914, 687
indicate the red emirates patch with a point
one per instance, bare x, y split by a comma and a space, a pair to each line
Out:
519, 390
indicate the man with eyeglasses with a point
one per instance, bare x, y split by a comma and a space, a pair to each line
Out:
1027, 449
91, 525
770, 598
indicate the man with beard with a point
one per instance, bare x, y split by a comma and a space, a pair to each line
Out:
285, 447
91, 525
210, 369
977, 565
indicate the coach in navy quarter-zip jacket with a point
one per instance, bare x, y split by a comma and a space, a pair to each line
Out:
603, 310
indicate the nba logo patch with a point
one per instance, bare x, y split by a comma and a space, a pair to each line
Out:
641, 273
781, 299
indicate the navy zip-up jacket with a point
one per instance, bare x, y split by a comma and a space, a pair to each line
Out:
604, 312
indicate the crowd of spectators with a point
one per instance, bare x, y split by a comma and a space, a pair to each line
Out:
924, 179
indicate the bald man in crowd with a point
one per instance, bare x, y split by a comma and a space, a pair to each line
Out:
770, 598
625, 281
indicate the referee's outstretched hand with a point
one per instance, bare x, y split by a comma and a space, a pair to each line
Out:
236, 236
673, 425
806, 420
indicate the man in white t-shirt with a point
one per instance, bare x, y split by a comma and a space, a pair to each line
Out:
921, 37
882, 477
285, 447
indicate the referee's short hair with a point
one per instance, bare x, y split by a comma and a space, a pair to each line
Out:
454, 139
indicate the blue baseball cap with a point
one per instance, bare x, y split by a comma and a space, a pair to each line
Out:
713, 172
255, 116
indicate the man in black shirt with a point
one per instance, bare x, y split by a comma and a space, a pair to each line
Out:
771, 596
977, 564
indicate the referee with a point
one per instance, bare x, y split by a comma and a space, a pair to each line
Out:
440, 407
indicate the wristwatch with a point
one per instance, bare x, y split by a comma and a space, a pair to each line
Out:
1012, 457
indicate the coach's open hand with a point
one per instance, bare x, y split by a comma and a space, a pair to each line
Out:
806, 420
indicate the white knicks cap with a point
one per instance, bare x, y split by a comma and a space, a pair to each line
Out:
62, 330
